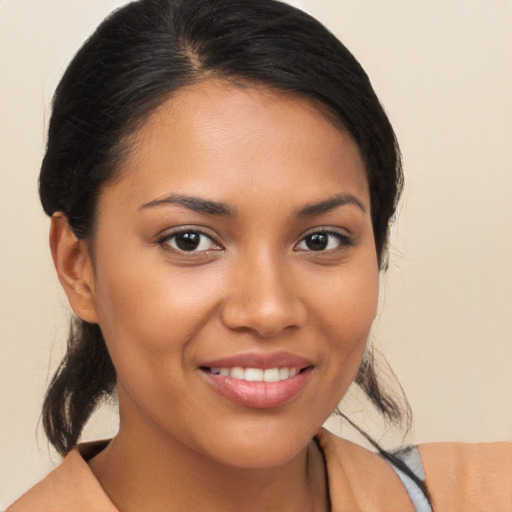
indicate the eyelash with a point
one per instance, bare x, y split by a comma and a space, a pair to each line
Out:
167, 239
343, 240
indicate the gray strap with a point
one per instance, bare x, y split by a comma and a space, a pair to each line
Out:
411, 457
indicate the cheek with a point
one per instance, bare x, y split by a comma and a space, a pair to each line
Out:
347, 303
345, 315
149, 316
147, 307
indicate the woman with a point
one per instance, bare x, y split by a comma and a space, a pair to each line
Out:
220, 178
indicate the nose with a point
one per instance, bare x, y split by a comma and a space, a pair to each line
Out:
262, 298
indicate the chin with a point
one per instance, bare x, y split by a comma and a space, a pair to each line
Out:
260, 445
262, 457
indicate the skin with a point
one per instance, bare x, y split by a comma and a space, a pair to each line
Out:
254, 286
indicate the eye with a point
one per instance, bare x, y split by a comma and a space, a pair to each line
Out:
323, 241
189, 241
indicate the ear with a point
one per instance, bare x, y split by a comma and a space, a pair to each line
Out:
74, 268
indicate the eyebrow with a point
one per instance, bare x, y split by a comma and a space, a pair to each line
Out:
207, 206
330, 204
195, 204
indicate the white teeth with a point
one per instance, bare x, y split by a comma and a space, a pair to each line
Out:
253, 375
256, 374
237, 373
284, 373
271, 375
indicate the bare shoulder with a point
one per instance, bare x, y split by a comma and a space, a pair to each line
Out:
468, 476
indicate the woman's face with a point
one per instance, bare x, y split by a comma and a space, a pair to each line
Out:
235, 273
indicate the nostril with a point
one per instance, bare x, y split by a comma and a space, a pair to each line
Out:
264, 318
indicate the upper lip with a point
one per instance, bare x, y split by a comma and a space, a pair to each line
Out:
258, 360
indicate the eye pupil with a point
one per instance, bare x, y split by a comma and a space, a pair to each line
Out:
317, 242
188, 241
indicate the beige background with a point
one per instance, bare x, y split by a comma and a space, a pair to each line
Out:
443, 70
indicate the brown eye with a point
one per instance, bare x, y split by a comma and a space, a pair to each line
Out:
189, 241
317, 241
322, 241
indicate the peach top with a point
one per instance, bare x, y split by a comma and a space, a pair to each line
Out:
460, 477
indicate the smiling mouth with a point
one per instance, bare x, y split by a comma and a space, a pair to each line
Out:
256, 374
259, 388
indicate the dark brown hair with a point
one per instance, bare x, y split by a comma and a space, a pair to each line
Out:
134, 61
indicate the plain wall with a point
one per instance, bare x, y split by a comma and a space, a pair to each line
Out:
443, 70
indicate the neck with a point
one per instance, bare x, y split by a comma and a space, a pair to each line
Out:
153, 473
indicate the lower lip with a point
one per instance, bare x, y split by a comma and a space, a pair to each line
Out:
258, 395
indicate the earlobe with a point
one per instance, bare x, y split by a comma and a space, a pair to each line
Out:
74, 268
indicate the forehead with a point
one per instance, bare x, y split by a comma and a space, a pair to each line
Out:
216, 138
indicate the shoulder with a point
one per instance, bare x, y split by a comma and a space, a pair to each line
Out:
464, 476
458, 476
360, 479
71, 486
